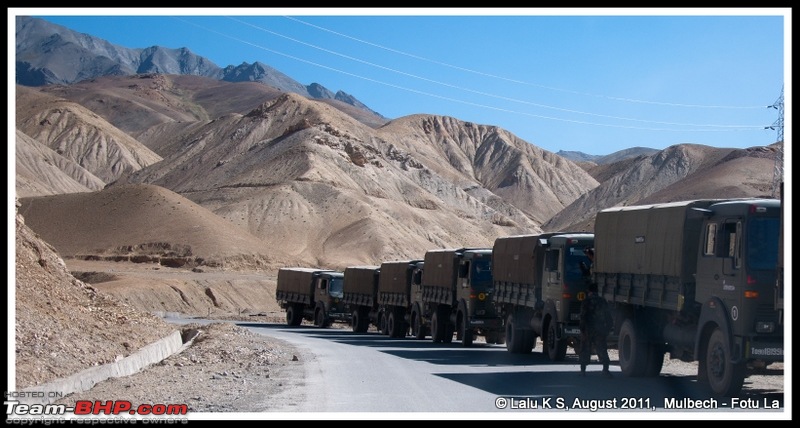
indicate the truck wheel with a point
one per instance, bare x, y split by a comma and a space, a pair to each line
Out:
724, 377
633, 350
394, 326
439, 326
319, 318
466, 334
556, 349
515, 337
293, 316
417, 328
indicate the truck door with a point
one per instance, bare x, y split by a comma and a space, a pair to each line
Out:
552, 277
719, 268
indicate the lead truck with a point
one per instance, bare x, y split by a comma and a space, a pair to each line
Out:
696, 279
311, 294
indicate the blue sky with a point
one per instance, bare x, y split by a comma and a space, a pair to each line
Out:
589, 80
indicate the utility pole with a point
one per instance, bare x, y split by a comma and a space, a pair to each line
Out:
777, 176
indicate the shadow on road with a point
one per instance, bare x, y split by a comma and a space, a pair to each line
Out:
560, 380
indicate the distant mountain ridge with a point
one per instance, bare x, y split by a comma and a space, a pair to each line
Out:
48, 53
607, 159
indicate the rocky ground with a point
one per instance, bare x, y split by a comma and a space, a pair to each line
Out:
226, 369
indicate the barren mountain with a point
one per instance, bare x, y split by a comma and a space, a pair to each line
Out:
42, 171
296, 171
327, 189
80, 135
146, 222
680, 172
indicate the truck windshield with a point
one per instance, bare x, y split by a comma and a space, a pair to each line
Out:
762, 243
481, 272
336, 287
572, 264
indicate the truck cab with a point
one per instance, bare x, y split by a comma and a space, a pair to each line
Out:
328, 295
565, 277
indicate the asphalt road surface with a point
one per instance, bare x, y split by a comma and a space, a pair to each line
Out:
371, 373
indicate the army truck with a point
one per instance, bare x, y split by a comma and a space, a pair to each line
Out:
456, 295
394, 296
360, 294
539, 282
695, 279
311, 294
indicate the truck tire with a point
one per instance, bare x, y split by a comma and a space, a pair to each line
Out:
395, 325
725, 378
633, 350
439, 326
294, 316
518, 341
417, 326
319, 318
555, 349
466, 333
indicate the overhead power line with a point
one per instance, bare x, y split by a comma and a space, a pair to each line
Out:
777, 176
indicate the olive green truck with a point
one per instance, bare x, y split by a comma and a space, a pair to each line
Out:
696, 279
456, 295
311, 294
360, 294
539, 282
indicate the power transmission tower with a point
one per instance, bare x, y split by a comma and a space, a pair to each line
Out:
777, 176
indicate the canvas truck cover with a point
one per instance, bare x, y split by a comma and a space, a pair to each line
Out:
441, 269
297, 280
659, 239
360, 281
513, 260
394, 285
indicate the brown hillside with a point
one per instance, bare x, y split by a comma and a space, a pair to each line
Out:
142, 221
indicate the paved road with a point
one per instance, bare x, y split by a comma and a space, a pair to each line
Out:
369, 372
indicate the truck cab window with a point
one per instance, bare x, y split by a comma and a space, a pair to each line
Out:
551, 260
731, 233
482, 271
762, 243
711, 239
336, 288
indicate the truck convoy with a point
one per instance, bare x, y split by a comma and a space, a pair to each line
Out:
456, 295
696, 279
539, 282
701, 280
311, 294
